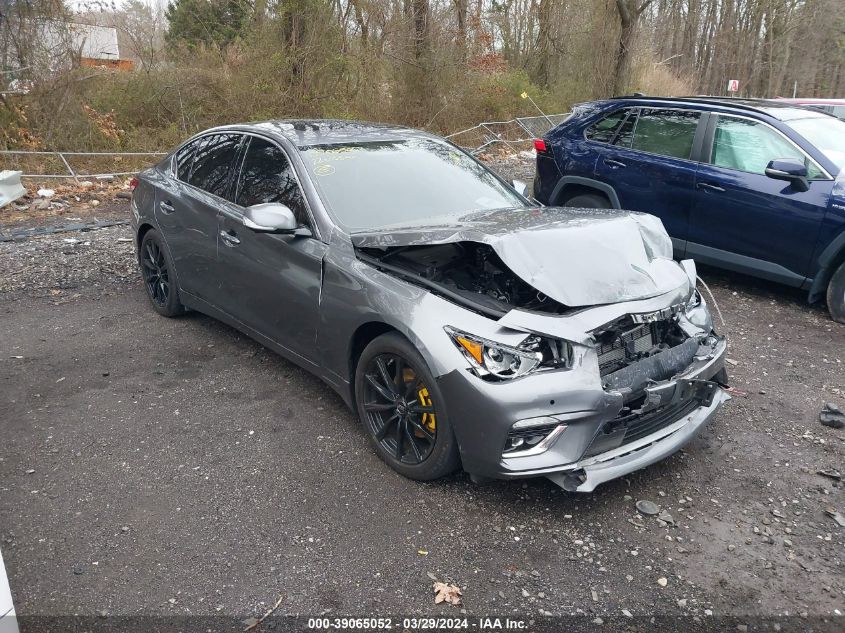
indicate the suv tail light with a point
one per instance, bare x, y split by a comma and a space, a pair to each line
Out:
540, 145
133, 183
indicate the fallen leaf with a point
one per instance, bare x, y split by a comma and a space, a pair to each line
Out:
446, 592
422, 552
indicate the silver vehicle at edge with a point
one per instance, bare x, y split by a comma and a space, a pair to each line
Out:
464, 324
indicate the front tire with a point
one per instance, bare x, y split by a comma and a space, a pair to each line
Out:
836, 295
159, 279
402, 410
588, 201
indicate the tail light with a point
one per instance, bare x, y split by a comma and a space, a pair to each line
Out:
540, 145
133, 183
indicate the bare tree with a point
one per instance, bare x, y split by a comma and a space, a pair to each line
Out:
629, 12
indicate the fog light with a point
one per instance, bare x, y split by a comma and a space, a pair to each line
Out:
532, 436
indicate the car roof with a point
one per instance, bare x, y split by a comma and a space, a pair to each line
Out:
810, 101
777, 109
306, 132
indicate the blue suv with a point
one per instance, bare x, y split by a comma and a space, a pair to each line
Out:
748, 185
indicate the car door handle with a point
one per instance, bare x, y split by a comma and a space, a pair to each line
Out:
708, 187
229, 238
166, 207
614, 163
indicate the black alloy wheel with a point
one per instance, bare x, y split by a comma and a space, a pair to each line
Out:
400, 412
157, 272
156, 275
403, 411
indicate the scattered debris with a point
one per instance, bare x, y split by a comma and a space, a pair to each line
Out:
665, 519
831, 474
251, 623
832, 416
662, 581
11, 188
46, 193
637, 521
647, 507
835, 515
447, 592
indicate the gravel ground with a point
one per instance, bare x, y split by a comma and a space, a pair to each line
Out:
173, 467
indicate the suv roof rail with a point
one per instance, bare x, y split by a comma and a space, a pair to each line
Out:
732, 102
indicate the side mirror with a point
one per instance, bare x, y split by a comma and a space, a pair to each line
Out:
520, 187
270, 217
792, 170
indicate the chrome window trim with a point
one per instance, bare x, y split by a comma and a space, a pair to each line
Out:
700, 113
639, 108
314, 228
774, 129
239, 215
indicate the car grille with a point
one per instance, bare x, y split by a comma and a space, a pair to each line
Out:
615, 354
632, 427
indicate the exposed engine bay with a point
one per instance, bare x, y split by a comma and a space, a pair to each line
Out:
464, 270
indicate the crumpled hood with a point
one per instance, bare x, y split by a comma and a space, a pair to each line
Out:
578, 257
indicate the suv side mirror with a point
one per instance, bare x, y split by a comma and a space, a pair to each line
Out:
270, 217
792, 170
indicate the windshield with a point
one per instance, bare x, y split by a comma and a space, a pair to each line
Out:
375, 184
826, 133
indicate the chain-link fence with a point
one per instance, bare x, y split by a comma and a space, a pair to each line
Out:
76, 165
515, 134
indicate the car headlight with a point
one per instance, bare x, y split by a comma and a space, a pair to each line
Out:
490, 359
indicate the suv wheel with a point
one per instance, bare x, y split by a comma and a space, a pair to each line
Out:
588, 201
836, 295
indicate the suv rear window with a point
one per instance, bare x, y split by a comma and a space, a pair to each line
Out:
604, 130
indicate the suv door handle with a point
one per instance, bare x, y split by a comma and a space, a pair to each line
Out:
614, 163
166, 207
708, 187
229, 238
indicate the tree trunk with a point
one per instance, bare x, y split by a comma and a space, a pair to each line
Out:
629, 14
461, 7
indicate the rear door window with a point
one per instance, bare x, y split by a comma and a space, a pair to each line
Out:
666, 132
214, 162
185, 160
604, 131
267, 176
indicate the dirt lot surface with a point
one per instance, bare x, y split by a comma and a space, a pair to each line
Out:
175, 467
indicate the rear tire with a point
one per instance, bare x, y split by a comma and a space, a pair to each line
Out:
588, 201
393, 386
158, 275
836, 295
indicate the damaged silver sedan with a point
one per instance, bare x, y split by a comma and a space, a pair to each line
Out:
466, 326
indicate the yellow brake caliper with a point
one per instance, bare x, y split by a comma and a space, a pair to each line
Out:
428, 419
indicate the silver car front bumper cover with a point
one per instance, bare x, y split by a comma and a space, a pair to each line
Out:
585, 475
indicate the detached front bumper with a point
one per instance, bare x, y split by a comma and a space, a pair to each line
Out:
586, 450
